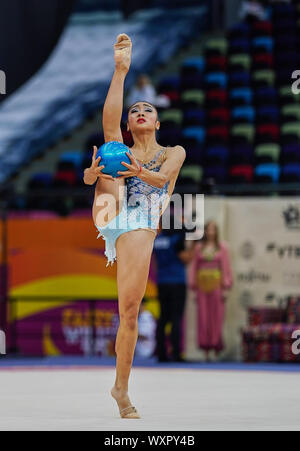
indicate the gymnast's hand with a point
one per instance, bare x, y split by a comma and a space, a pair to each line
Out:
94, 171
122, 54
133, 168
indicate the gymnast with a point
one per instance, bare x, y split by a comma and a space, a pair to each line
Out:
152, 173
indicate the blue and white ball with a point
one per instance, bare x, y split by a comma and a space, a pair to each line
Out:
112, 154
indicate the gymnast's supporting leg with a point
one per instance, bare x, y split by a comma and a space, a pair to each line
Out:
134, 251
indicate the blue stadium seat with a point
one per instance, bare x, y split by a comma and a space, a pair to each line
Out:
194, 117
241, 29
41, 179
218, 173
239, 45
242, 154
74, 157
217, 78
291, 172
266, 95
197, 133
268, 113
217, 154
264, 42
169, 83
267, 171
197, 62
244, 112
245, 94
240, 78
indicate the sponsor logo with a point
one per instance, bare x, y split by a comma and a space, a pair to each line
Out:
291, 217
253, 276
285, 251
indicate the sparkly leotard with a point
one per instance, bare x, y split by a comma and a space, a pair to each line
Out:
141, 209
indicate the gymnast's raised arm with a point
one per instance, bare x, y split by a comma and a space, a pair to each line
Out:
113, 107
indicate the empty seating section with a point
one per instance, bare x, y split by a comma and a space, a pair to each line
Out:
232, 108
240, 120
74, 81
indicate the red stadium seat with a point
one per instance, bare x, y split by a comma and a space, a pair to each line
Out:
242, 171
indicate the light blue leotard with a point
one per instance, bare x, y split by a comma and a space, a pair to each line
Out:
141, 208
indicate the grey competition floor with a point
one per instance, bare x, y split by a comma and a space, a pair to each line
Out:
168, 398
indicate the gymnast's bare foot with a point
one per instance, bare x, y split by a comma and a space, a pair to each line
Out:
126, 409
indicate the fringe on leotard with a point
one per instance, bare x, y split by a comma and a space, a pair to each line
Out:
110, 250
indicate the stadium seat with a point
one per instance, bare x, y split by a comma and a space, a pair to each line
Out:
263, 77
290, 153
241, 154
171, 116
192, 98
267, 153
194, 132
216, 80
216, 46
216, 64
290, 173
194, 116
216, 98
241, 173
266, 95
217, 173
285, 49
193, 172
194, 155
290, 132
283, 75
263, 43
267, 133
74, 157
218, 116
262, 28
291, 112
262, 61
217, 133
216, 155
286, 95
195, 64
40, 180
239, 45
170, 136
241, 29
191, 81
241, 96
240, 61
268, 114
267, 172
239, 79
169, 83
243, 114
173, 97
243, 133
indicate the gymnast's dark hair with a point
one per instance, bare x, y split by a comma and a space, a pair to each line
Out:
144, 101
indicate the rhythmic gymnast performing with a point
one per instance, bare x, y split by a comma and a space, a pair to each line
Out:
151, 175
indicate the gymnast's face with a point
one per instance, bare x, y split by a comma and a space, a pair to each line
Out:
142, 116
